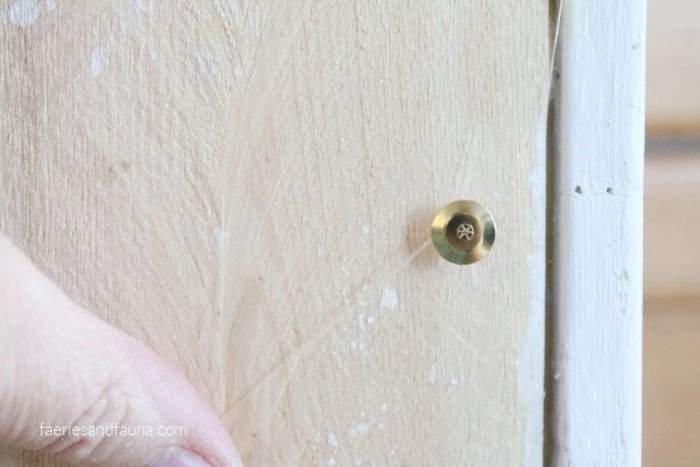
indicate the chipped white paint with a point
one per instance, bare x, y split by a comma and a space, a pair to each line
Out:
365, 229
331, 461
98, 61
597, 237
389, 299
50, 5
23, 13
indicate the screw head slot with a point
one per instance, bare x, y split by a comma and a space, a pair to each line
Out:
463, 232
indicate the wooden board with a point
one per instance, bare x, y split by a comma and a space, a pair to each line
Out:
248, 188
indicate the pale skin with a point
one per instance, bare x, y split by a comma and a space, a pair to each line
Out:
65, 374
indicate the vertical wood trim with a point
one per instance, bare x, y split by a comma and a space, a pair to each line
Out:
596, 233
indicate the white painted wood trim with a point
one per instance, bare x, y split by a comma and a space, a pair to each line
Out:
596, 233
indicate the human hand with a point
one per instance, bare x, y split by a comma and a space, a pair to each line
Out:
71, 384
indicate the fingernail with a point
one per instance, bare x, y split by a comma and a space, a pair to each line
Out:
178, 457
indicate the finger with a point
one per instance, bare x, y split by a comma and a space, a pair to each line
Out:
73, 385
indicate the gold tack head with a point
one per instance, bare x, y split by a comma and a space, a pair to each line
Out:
463, 232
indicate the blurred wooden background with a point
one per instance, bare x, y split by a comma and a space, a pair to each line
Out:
672, 236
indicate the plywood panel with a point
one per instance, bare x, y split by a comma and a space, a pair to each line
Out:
248, 187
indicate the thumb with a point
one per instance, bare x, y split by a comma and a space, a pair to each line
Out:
71, 384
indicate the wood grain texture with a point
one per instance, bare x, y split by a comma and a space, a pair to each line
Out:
248, 187
596, 284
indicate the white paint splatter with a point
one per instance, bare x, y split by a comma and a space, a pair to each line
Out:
346, 296
361, 429
50, 5
361, 322
143, 5
432, 376
371, 320
331, 462
237, 72
98, 61
453, 382
358, 461
258, 21
332, 440
380, 425
389, 298
220, 236
205, 62
353, 345
365, 229
23, 13
385, 407
230, 8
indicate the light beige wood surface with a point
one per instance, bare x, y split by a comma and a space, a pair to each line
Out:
673, 66
672, 382
248, 188
672, 224
672, 304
